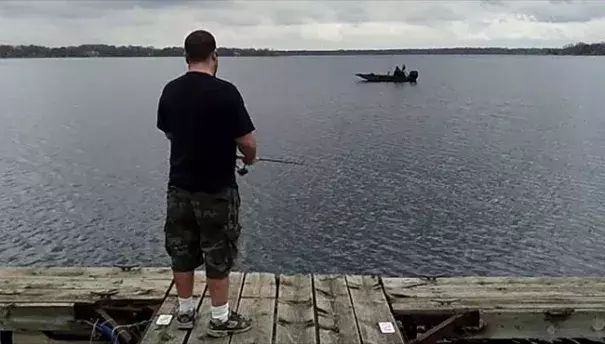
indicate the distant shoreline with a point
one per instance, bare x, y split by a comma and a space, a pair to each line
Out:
100, 50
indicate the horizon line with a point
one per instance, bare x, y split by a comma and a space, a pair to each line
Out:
289, 50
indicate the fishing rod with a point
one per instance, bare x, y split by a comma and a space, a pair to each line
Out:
242, 170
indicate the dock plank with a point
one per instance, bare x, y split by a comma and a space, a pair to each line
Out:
198, 335
499, 294
258, 302
295, 316
492, 292
259, 285
495, 286
44, 299
319, 309
30, 286
87, 272
448, 306
371, 308
37, 337
418, 296
335, 316
81, 295
169, 334
82, 285
586, 324
497, 281
514, 306
39, 317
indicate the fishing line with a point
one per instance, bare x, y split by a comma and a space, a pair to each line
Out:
243, 170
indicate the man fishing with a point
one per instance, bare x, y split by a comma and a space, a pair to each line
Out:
205, 120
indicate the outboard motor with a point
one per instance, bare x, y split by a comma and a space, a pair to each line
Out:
413, 76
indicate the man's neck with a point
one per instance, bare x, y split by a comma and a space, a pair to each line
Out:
200, 68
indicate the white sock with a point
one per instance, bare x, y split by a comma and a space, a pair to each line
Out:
186, 305
221, 312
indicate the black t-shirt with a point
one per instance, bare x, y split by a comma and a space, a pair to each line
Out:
202, 115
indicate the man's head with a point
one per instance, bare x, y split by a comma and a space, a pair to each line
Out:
200, 48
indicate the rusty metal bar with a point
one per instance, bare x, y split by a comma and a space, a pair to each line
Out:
448, 328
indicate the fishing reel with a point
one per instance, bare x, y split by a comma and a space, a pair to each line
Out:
242, 170
240, 167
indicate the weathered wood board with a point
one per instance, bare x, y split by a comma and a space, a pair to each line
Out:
258, 302
87, 272
295, 311
493, 293
511, 307
371, 309
314, 309
44, 299
335, 315
40, 338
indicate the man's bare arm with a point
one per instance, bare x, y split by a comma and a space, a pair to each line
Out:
247, 145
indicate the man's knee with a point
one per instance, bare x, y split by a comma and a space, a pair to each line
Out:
220, 260
219, 267
185, 264
216, 273
183, 258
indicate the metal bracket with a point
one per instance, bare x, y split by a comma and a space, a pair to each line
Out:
105, 294
445, 302
558, 314
448, 328
126, 267
430, 278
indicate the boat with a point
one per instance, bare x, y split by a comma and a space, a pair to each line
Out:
412, 77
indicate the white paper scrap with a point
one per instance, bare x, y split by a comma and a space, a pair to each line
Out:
164, 319
386, 327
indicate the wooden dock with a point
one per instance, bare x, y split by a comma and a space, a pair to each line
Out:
66, 303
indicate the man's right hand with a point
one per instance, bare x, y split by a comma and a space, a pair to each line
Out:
251, 161
247, 145
247, 161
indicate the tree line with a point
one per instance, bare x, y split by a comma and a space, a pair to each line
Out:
102, 50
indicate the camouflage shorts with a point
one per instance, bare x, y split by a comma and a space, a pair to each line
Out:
202, 228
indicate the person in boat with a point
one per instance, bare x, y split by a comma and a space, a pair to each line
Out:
402, 70
397, 71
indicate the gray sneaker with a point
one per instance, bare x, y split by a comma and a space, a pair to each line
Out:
184, 321
236, 323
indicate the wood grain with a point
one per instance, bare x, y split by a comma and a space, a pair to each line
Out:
295, 317
335, 316
371, 308
257, 302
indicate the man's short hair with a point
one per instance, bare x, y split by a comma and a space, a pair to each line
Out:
199, 45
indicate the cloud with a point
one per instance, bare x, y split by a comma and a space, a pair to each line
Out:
561, 11
304, 24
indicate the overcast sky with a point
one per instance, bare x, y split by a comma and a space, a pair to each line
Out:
331, 24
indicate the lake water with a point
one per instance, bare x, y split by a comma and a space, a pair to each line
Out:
490, 165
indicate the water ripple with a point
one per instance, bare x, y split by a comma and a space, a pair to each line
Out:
465, 173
